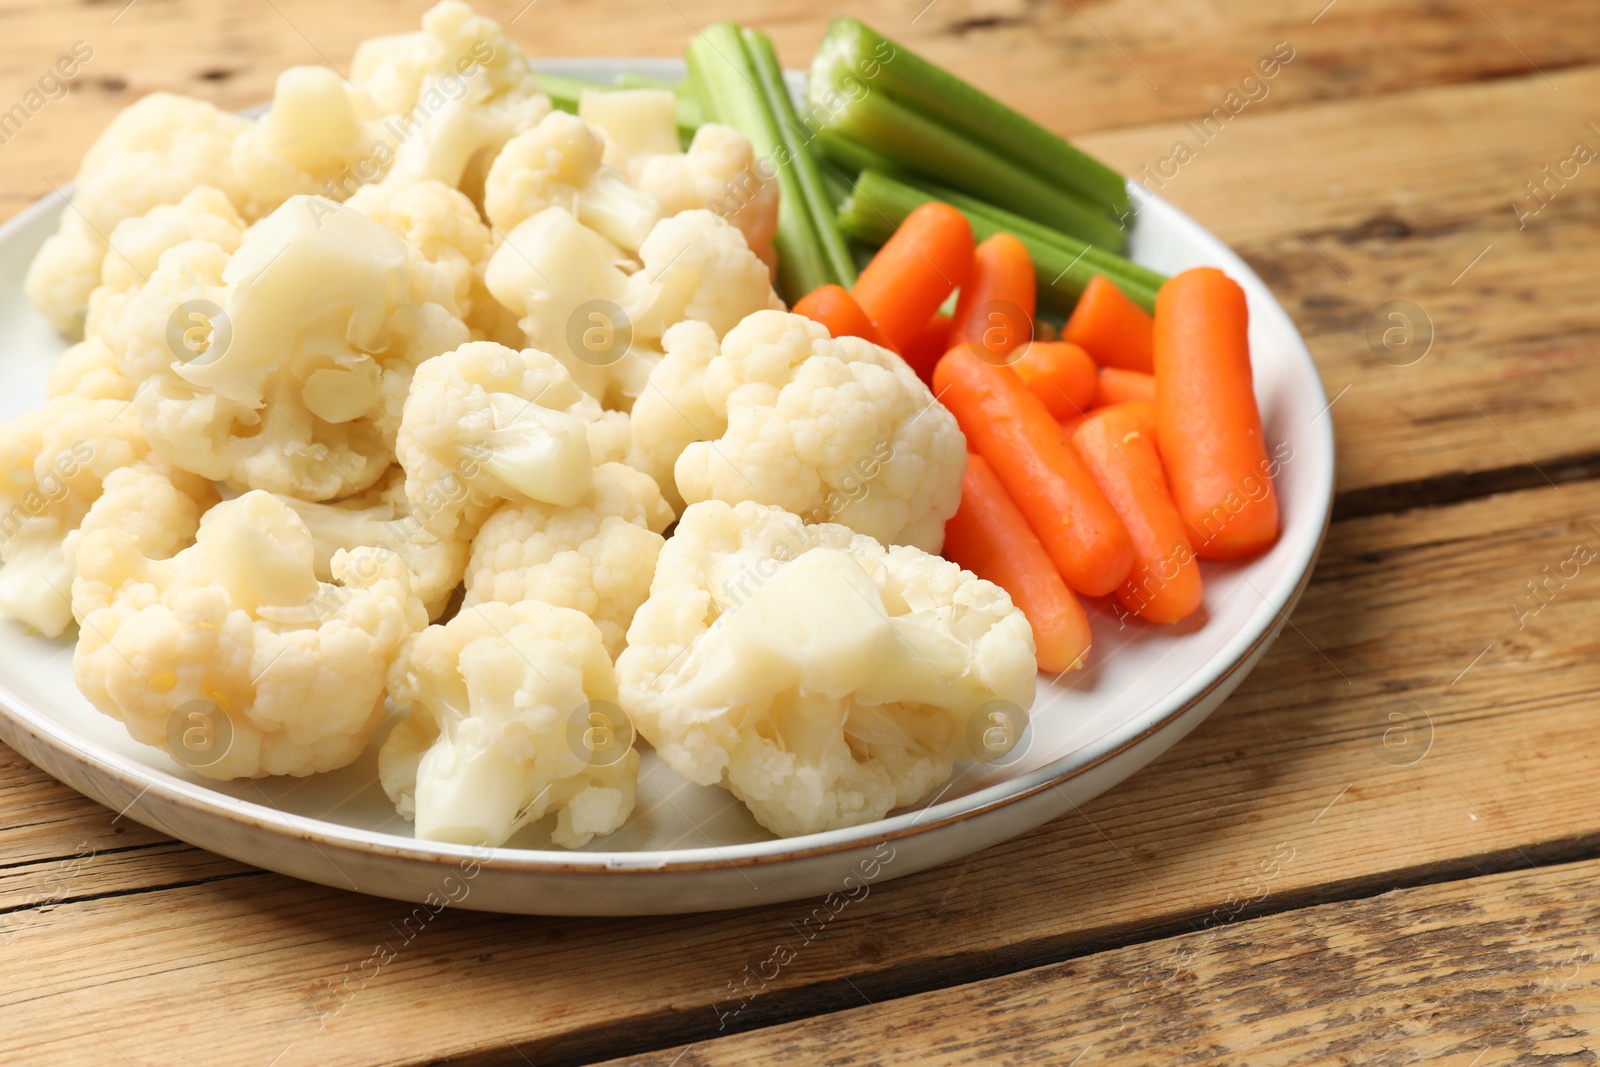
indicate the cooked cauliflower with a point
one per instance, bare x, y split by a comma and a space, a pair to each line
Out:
558, 164
605, 325
511, 719
637, 124
285, 366
597, 556
154, 152
88, 369
486, 424
453, 93
673, 411
373, 520
834, 430
54, 462
152, 502
286, 672
719, 174
820, 677
448, 241
205, 214
313, 133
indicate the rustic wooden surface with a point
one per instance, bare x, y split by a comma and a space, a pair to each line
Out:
1299, 881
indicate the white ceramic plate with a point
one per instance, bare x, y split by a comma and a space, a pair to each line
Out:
689, 848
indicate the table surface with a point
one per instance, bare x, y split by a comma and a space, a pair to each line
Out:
1380, 850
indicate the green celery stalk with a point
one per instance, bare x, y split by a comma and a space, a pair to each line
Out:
851, 48
922, 146
1063, 266
564, 91
723, 75
839, 181
1091, 226
797, 139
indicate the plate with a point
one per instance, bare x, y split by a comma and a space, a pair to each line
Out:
689, 848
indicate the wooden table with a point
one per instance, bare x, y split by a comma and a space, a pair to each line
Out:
1383, 849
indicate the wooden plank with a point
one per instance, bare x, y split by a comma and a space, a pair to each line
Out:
1346, 208
1410, 615
1486, 970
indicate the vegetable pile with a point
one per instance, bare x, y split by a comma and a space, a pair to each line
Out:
469, 394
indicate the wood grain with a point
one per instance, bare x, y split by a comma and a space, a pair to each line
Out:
1410, 615
1491, 970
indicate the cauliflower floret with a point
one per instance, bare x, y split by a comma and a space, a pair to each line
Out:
370, 521
280, 673
637, 124
449, 242
53, 465
285, 366
596, 557
565, 283
152, 502
455, 92
834, 430
673, 411
820, 677
486, 424
719, 174
607, 326
154, 152
311, 135
511, 718
88, 369
558, 164
137, 244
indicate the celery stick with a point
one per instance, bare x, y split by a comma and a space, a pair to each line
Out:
851, 48
839, 182
1063, 266
722, 73
1090, 226
818, 206
922, 146
564, 91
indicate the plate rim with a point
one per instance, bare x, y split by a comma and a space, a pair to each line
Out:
267, 818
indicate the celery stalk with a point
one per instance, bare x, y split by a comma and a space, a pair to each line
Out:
1062, 265
818, 205
1090, 226
851, 49
722, 73
922, 146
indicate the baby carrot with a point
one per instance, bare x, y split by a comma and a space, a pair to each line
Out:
928, 258
835, 308
1110, 327
1060, 374
931, 342
995, 311
1208, 425
1117, 386
989, 537
1120, 451
1012, 429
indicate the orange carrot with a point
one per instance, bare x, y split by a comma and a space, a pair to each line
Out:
989, 537
994, 313
835, 308
928, 258
1118, 386
1060, 374
1120, 451
1208, 425
932, 341
1012, 429
1110, 327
